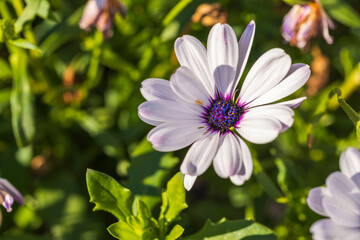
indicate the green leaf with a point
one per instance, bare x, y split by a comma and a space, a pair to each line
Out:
358, 130
33, 8
342, 12
354, 117
175, 233
175, 11
27, 15
21, 101
23, 43
6, 30
238, 229
108, 195
269, 186
141, 225
294, 2
173, 199
5, 71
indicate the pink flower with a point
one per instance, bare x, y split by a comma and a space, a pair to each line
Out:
101, 13
304, 22
8, 193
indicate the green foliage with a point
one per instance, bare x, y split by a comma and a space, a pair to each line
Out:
6, 30
239, 229
23, 43
21, 101
33, 8
341, 11
135, 218
293, 2
108, 195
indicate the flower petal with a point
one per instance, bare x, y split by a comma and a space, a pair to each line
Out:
314, 200
188, 87
157, 89
297, 76
325, 229
294, 103
350, 162
192, 54
223, 56
200, 156
90, 14
246, 167
259, 130
283, 114
266, 73
245, 44
189, 182
6, 186
341, 188
173, 136
228, 159
165, 111
339, 214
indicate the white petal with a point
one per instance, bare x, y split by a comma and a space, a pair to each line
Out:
266, 73
245, 44
188, 87
294, 103
227, 161
222, 56
325, 229
246, 167
189, 182
326, 22
192, 54
339, 214
165, 111
173, 136
314, 200
157, 89
259, 130
341, 188
224, 78
200, 156
350, 162
297, 76
148, 121
356, 179
283, 114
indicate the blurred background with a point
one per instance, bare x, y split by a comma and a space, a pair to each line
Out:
69, 102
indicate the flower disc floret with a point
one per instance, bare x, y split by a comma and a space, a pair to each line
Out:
221, 115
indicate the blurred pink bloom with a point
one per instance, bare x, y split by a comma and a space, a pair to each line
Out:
101, 13
8, 193
304, 22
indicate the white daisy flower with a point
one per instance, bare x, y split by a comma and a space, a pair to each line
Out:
339, 201
200, 104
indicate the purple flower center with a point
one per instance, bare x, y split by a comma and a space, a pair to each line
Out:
221, 115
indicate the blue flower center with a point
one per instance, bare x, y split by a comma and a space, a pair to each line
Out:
223, 114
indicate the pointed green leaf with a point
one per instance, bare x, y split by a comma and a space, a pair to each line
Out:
175, 233
122, 230
23, 43
238, 229
173, 199
358, 130
27, 15
108, 195
21, 101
